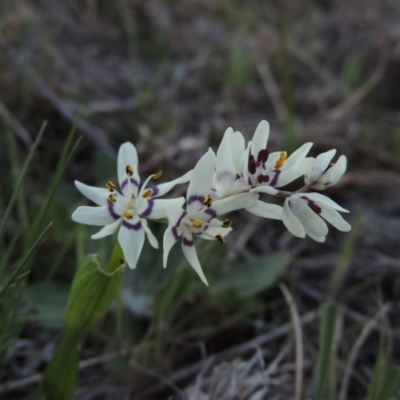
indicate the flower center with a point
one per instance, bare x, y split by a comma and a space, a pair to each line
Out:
196, 223
127, 214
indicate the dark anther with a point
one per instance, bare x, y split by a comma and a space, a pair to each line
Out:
252, 164
263, 155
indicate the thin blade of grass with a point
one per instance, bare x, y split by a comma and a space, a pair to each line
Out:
326, 337
23, 261
60, 169
20, 179
391, 383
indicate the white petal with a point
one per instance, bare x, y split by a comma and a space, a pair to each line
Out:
238, 148
320, 239
244, 164
224, 160
333, 174
157, 208
265, 189
169, 240
212, 231
260, 138
107, 230
175, 214
200, 184
127, 155
97, 195
228, 204
319, 166
298, 155
309, 219
288, 175
294, 226
190, 253
151, 238
163, 188
333, 217
131, 239
265, 210
272, 159
97, 216
322, 200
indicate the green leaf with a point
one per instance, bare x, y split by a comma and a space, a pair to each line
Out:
92, 291
254, 277
326, 336
391, 383
59, 379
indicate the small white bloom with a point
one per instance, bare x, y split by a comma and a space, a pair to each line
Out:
199, 218
254, 167
321, 175
127, 211
305, 214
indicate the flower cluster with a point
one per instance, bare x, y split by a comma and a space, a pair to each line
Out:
229, 180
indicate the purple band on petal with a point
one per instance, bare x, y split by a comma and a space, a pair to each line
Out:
210, 212
128, 225
194, 198
132, 180
155, 190
149, 209
181, 218
187, 242
175, 232
274, 180
110, 208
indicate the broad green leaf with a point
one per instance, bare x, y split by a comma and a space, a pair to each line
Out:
92, 291
252, 278
60, 377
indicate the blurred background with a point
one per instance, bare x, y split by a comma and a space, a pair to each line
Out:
171, 76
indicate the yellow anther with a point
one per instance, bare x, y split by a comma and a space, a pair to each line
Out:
129, 170
197, 223
208, 201
147, 193
221, 239
111, 198
127, 214
281, 160
157, 175
227, 223
110, 186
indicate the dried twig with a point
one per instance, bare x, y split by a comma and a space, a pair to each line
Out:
299, 340
243, 348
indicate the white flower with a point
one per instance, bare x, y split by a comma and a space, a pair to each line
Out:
239, 167
199, 218
320, 175
127, 211
305, 214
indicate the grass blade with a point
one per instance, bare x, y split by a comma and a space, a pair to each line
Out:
23, 261
20, 179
